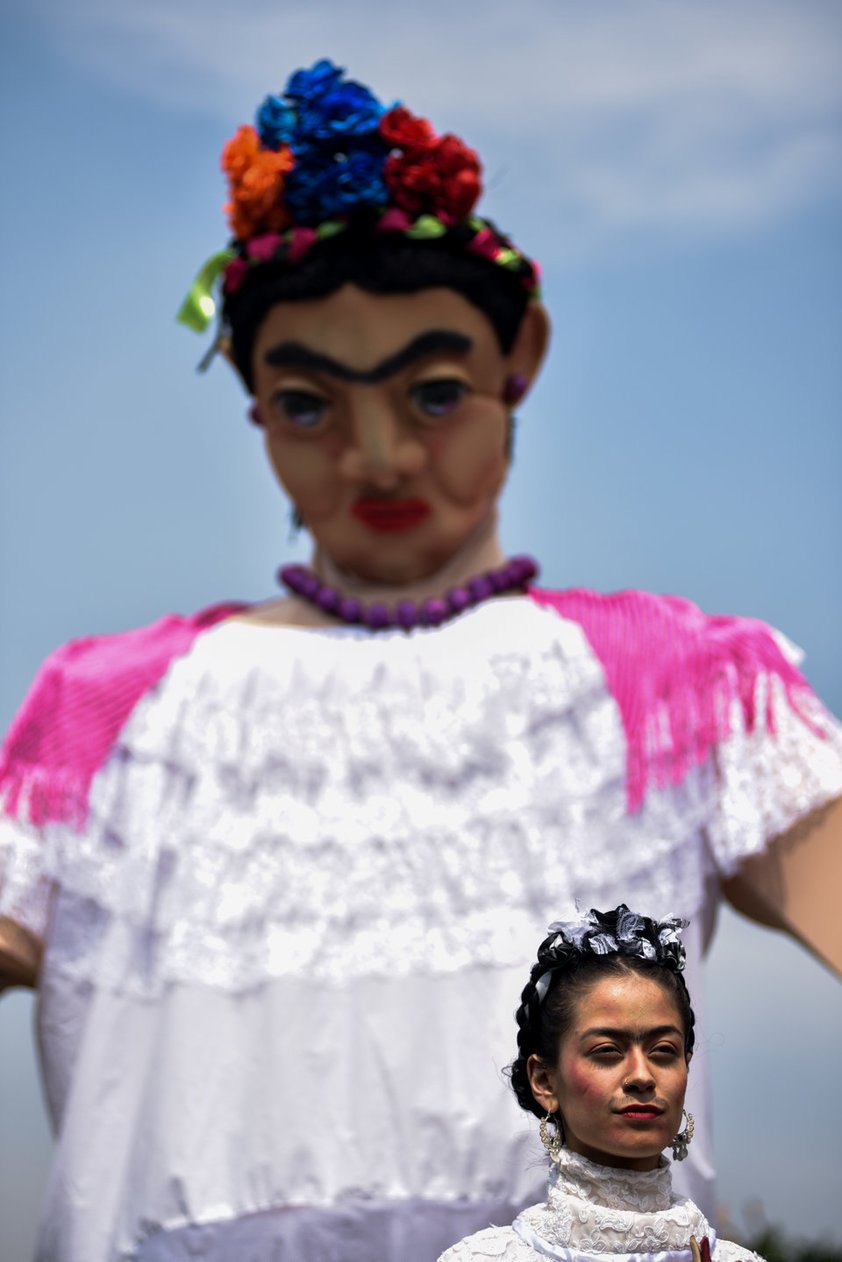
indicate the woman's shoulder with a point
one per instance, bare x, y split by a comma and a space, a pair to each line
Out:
499, 1243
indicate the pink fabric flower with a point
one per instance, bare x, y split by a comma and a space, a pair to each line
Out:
303, 240
486, 244
394, 220
262, 248
234, 275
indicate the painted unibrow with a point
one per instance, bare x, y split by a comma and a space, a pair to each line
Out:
657, 1031
296, 355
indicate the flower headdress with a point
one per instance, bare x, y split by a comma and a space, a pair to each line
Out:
325, 154
617, 932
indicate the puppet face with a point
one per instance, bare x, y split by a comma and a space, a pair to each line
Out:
385, 423
621, 1073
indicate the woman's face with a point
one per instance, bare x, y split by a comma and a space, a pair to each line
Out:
385, 423
621, 1073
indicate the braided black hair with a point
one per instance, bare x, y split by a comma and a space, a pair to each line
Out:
615, 943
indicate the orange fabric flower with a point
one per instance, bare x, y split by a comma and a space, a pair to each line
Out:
256, 184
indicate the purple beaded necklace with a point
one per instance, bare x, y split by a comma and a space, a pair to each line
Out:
515, 575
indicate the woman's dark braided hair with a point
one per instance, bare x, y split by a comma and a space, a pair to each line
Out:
571, 958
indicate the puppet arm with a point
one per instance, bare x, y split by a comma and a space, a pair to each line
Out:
20, 955
795, 884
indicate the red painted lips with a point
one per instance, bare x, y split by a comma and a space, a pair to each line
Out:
390, 515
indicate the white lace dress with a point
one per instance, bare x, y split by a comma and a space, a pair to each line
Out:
594, 1213
284, 950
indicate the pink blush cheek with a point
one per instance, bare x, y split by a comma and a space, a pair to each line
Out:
582, 1082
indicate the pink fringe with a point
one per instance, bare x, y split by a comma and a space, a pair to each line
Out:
675, 673
73, 714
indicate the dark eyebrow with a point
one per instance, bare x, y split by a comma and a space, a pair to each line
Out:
296, 355
657, 1031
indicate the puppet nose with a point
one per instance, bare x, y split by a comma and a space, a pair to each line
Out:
382, 451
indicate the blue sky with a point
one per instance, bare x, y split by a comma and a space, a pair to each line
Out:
676, 165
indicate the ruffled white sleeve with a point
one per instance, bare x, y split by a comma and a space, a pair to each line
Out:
25, 885
775, 775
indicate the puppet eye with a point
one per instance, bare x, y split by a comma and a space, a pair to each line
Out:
300, 407
439, 397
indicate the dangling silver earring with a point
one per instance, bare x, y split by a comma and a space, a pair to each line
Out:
552, 1143
682, 1140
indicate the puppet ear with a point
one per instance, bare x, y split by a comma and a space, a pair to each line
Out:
530, 346
223, 346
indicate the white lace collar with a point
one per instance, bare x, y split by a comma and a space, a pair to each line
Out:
603, 1210
574, 1176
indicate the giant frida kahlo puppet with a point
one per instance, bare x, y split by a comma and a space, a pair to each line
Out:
276, 869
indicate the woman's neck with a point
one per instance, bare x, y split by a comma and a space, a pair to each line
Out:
480, 552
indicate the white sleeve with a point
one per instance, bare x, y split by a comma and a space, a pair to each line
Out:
25, 888
771, 777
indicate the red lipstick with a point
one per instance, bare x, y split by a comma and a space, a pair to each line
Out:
640, 1112
387, 515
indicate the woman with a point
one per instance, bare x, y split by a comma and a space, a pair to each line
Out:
605, 1038
274, 868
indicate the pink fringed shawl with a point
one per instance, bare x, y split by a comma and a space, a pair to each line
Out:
673, 671
675, 674
79, 701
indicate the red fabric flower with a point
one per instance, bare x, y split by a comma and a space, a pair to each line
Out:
402, 130
444, 178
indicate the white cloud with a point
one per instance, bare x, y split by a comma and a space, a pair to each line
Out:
684, 115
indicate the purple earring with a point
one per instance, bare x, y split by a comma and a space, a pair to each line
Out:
253, 414
515, 388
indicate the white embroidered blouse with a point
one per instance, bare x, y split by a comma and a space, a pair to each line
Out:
283, 953
594, 1213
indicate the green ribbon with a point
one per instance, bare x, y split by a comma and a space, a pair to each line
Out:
425, 228
199, 307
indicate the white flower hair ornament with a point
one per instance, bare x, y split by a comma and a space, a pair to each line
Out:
617, 932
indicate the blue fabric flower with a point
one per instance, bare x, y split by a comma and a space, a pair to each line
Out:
308, 85
275, 122
347, 110
324, 188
